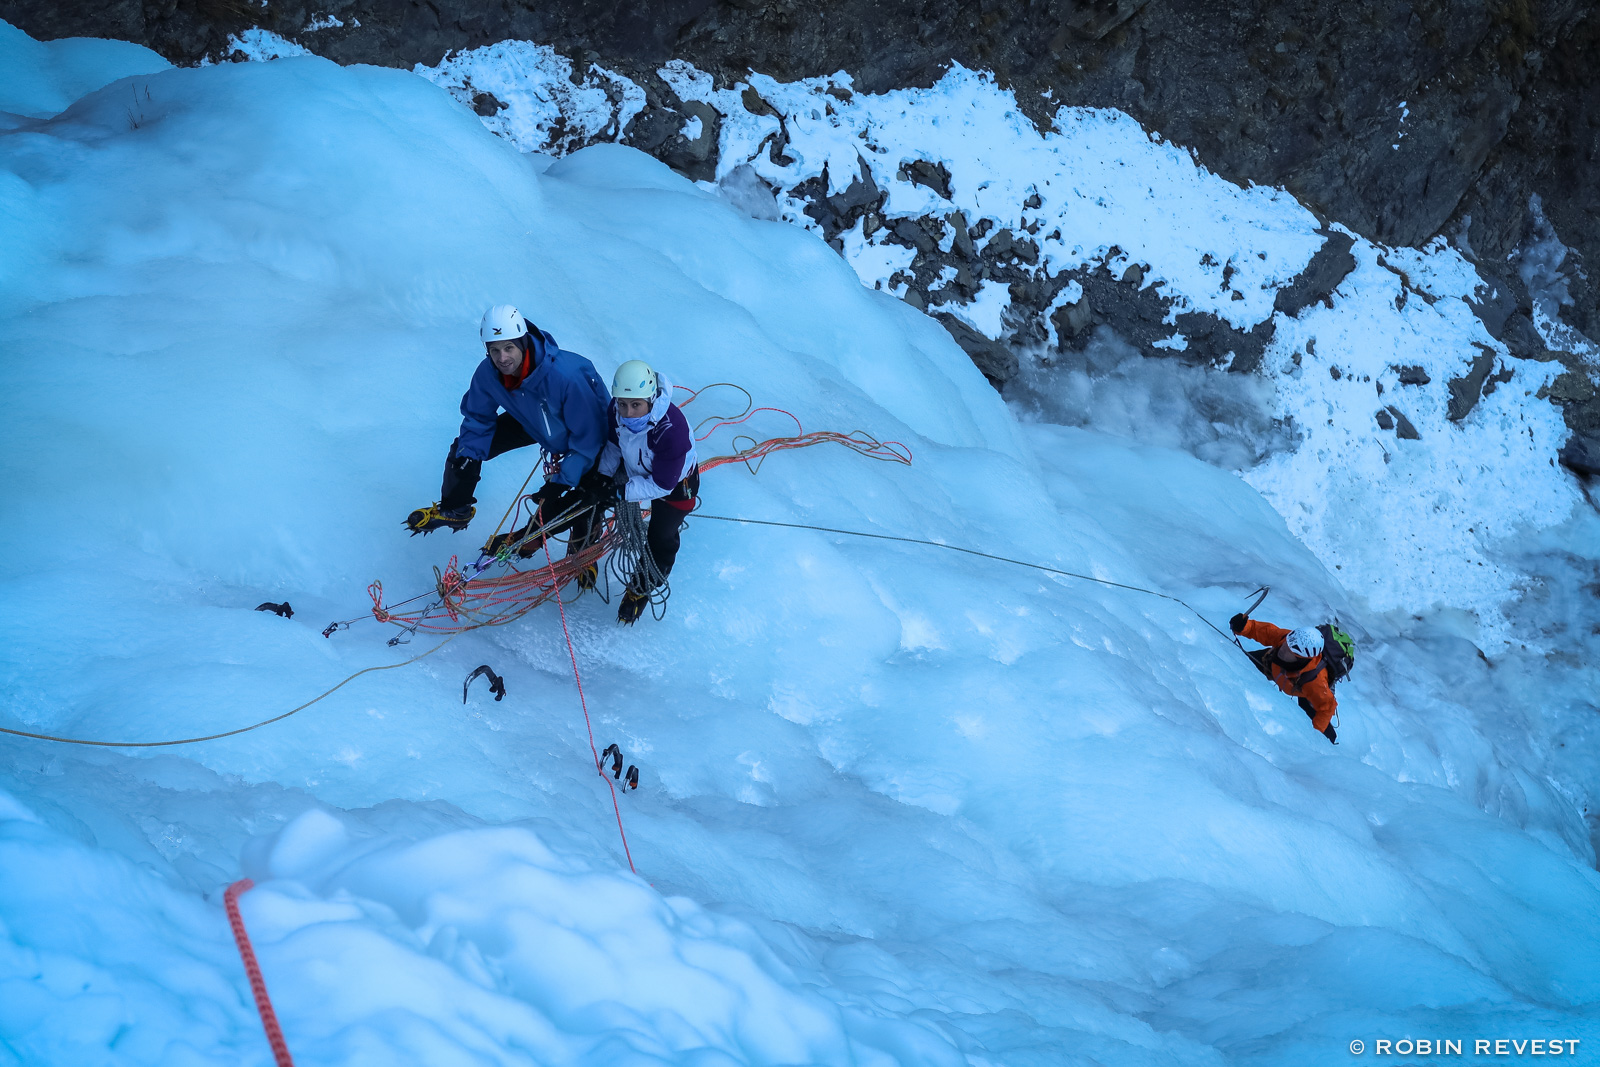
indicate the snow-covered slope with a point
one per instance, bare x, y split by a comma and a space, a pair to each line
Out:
898, 805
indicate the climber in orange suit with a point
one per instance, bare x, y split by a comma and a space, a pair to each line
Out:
1293, 659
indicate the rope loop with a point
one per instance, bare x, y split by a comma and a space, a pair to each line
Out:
375, 591
631, 564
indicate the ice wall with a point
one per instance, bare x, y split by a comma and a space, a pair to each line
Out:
898, 805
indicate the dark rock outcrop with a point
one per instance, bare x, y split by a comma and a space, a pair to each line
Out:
1581, 455
487, 105
935, 176
1576, 394
1465, 390
1331, 264
1403, 428
997, 362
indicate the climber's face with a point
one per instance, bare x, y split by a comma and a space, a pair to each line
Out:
506, 356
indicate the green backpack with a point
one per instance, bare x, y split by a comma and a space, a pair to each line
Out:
1338, 652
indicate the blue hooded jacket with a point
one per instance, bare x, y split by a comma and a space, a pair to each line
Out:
562, 403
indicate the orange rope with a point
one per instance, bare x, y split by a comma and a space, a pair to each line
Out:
583, 702
252, 970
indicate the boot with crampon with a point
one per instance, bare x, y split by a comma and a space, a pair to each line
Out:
632, 606
431, 518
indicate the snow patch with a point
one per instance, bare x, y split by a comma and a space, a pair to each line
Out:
261, 46
1428, 536
1102, 183
545, 110
1539, 263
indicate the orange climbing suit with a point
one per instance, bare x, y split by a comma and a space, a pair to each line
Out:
1308, 683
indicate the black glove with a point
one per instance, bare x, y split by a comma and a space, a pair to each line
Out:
548, 492
1236, 624
599, 488
1331, 734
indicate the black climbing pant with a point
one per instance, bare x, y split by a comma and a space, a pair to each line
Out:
461, 477
666, 521
461, 474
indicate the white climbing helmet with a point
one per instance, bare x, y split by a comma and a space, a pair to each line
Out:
1305, 642
634, 380
502, 323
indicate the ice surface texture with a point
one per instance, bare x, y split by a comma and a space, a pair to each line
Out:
897, 806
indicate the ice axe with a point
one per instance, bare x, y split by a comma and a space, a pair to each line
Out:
614, 754
497, 684
1260, 595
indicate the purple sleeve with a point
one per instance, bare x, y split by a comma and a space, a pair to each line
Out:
667, 463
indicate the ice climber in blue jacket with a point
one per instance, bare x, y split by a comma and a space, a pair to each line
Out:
528, 390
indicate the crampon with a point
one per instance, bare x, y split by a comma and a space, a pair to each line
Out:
428, 519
